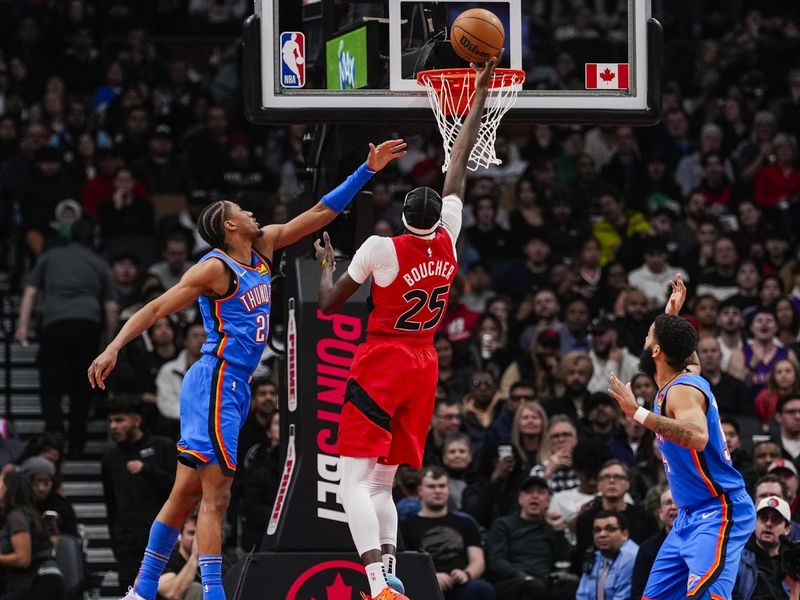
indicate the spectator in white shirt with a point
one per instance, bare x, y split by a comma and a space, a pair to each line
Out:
653, 277
170, 377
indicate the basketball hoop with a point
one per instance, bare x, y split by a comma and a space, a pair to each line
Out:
451, 92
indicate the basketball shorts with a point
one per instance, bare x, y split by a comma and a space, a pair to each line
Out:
700, 557
215, 401
388, 402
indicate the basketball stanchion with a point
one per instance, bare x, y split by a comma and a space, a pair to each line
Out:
451, 92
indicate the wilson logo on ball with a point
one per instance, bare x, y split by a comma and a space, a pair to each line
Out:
473, 48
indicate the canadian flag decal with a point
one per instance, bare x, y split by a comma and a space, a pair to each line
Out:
607, 76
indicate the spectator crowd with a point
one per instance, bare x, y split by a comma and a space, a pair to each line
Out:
113, 137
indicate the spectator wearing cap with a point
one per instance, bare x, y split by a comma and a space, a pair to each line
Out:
754, 362
78, 309
731, 393
42, 474
772, 485
654, 276
786, 470
576, 372
609, 575
137, 473
607, 357
613, 485
667, 512
161, 172
617, 226
760, 572
175, 254
719, 278
539, 365
522, 550
453, 540
601, 418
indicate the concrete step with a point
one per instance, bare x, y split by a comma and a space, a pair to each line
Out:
80, 489
89, 510
76, 468
32, 426
97, 535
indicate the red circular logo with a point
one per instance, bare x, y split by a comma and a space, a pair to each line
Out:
330, 580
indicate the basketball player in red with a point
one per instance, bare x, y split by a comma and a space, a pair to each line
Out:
390, 391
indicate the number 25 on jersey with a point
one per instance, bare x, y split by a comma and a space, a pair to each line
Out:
436, 302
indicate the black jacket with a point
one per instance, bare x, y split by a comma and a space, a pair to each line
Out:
133, 501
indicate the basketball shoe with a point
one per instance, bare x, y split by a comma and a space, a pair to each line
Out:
131, 595
395, 583
386, 594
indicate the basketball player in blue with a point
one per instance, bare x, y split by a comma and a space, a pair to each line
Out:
232, 285
700, 557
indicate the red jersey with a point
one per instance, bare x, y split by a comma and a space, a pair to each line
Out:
415, 302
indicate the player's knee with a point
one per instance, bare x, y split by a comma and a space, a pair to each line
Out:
217, 500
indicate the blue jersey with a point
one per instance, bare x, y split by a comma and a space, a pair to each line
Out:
237, 324
696, 477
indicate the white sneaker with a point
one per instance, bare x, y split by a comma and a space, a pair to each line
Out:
131, 595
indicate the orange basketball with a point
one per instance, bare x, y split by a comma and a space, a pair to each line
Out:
477, 35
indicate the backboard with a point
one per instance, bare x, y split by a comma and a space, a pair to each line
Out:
355, 62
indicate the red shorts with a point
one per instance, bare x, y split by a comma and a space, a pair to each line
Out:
389, 401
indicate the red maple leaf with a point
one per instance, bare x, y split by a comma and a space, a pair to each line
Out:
338, 590
607, 75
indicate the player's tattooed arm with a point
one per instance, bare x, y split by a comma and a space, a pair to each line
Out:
685, 424
331, 296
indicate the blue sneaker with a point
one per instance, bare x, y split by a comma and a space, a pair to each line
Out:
395, 584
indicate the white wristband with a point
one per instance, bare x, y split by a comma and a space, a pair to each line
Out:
641, 414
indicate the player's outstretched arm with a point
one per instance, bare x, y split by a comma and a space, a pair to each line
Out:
332, 296
209, 277
456, 179
677, 297
687, 427
279, 236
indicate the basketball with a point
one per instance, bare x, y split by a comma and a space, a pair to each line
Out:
477, 35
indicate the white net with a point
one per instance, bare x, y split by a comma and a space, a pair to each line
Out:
450, 98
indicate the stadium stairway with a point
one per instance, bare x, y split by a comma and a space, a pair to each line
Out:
81, 477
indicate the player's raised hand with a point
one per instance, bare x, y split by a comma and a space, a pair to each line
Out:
384, 153
484, 75
622, 393
101, 367
678, 296
324, 254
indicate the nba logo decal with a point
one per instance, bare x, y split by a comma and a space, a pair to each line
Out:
293, 59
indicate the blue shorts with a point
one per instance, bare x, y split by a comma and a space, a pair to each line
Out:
215, 401
700, 557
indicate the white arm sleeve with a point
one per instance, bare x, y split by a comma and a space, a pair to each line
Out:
451, 216
376, 257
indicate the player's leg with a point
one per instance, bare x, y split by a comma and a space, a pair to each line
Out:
410, 425
185, 494
726, 529
216, 498
668, 576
